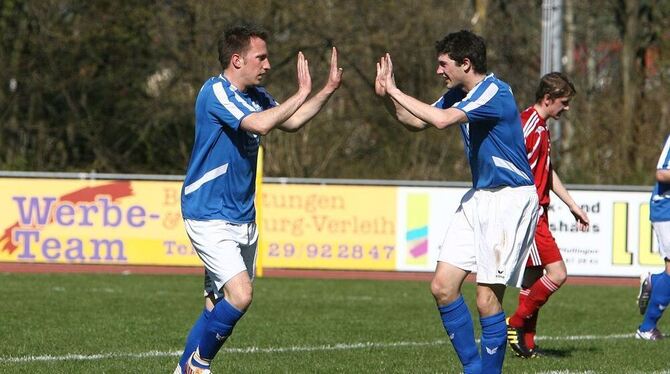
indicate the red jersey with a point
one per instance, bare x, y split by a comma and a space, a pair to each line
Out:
538, 149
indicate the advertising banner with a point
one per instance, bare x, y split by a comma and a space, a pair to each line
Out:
619, 241
329, 227
92, 222
303, 226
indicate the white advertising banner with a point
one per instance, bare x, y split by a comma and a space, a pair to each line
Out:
619, 242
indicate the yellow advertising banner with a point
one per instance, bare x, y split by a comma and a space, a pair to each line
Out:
93, 222
71, 221
328, 227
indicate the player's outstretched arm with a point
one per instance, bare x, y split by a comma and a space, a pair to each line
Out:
401, 114
312, 106
262, 122
440, 118
562, 193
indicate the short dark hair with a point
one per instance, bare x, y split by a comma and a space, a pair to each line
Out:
464, 44
554, 84
237, 38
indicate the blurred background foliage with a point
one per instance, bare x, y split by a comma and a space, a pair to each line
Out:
109, 86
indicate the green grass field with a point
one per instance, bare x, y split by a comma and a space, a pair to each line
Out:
74, 323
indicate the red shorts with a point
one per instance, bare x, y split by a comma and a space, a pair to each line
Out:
544, 250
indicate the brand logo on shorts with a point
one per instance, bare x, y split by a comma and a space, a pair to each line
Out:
451, 336
220, 337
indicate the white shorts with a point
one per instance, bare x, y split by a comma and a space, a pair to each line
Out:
491, 234
225, 248
662, 230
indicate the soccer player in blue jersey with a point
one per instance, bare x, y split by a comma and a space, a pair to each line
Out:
655, 288
232, 111
494, 225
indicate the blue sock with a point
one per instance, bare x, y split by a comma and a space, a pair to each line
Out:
194, 336
494, 342
458, 324
658, 301
220, 326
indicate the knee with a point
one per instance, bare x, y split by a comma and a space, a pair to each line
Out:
557, 275
489, 299
240, 297
443, 293
488, 303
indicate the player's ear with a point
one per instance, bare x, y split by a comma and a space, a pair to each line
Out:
466, 65
236, 60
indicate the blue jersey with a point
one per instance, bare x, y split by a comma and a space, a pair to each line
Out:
493, 136
221, 175
660, 198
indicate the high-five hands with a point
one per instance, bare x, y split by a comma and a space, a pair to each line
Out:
335, 73
385, 80
304, 78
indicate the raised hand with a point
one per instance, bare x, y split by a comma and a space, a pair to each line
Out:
304, 78
385, 80
335, 74
380, 89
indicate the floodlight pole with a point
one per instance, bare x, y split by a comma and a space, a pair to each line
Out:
552, 31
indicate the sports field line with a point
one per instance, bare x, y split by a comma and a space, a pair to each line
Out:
329, 347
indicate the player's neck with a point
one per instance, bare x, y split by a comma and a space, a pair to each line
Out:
234, 80
472, 81
540, 110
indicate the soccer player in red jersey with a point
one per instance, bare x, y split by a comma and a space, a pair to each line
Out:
545, 269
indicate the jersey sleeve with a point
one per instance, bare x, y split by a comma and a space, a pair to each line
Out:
664, 160
227, 107
264, 98
482, 106
450, 98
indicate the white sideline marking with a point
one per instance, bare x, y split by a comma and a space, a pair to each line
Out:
329, 347
567, 372
586, 337
589, 372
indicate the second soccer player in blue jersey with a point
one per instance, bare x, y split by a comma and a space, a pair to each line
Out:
494, 225
654, 294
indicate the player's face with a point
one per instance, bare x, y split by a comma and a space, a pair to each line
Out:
558, 106
255, 62
449, 70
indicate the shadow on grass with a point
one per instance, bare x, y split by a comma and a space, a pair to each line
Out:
556, 353
550, 353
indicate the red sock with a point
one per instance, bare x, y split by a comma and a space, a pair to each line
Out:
538, 295
529, 331
517, 322
523, 294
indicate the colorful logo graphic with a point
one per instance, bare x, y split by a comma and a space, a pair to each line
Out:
417, 229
